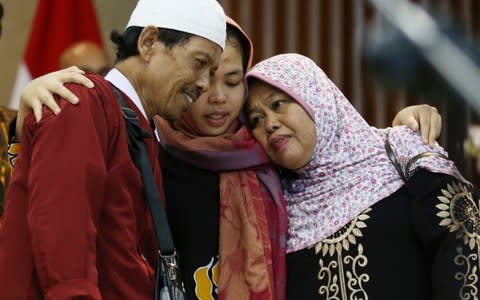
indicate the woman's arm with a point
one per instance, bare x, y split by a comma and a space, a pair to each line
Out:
40, 92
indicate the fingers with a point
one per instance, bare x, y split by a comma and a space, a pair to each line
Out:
74, 69
63, 92
69, 75
435, 127
430, 123
42, 90
411, 122
424, 118
37, 109
407, 116
22, 112
46, 98
397, 120
76, 77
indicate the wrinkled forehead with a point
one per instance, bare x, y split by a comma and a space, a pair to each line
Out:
197, 45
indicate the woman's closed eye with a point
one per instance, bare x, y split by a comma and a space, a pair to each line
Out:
233, 83
234, 78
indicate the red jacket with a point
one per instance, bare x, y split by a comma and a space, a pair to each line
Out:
76, 224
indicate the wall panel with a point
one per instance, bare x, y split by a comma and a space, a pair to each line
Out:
331, 33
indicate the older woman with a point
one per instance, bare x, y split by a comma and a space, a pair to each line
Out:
373, 214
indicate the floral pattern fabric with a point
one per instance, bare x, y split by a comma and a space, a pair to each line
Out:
350, 169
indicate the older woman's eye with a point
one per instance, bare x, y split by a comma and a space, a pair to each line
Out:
255, 121
277, 104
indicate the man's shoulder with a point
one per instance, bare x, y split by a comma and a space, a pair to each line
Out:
96, 113
101, 96
102, 86
97, 104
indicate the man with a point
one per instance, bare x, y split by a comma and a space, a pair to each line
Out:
76, 224
88, 56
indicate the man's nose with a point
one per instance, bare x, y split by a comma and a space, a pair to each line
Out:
203, 81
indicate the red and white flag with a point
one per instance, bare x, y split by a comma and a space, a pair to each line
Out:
56, 25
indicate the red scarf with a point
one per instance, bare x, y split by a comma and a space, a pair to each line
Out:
253, 220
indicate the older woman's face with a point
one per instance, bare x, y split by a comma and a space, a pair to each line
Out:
281, 126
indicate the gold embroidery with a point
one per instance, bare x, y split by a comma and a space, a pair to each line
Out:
343, 278
459, 212
469, 289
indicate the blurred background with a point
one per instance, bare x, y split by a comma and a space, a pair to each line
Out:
331, 32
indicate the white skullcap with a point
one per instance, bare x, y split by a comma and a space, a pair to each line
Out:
204, 18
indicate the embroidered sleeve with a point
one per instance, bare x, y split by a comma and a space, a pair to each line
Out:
447, 220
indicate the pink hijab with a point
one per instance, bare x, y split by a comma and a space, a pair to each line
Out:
350, 169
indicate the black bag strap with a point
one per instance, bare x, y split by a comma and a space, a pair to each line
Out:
138, 152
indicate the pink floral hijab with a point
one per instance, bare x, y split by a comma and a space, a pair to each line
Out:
350, 169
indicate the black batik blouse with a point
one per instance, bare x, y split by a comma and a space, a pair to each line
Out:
422, 242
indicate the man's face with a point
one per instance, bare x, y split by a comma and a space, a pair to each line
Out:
175, 77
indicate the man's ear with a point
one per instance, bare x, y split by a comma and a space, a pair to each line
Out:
147, 42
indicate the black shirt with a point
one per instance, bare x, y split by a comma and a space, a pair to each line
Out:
193, 210
422, 242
